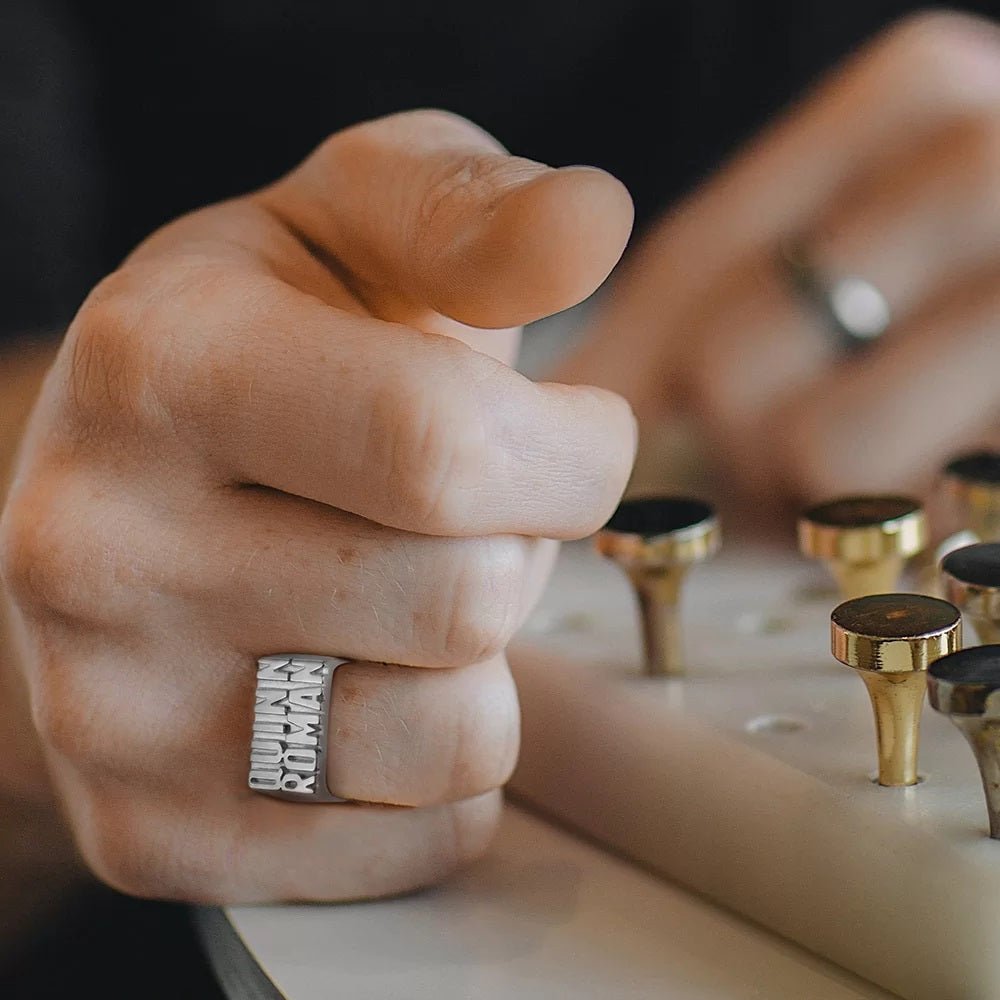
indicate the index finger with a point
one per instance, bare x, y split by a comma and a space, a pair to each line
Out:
411, 430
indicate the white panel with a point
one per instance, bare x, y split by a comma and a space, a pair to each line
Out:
749, 780
545, 916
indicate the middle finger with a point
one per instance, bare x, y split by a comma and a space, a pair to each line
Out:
270, 571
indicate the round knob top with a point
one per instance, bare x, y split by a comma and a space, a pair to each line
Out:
863, 528
966, 682
661, 531
971, 578
894, 633
977, 565
978, 468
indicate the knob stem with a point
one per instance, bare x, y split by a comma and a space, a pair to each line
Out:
984, 738
658, 592
861, 579
655, 540
865, 541
897, 701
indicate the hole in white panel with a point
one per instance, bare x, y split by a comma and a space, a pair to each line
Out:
578, 621
778, 724
763, 623
817, 592
873, 778
546, 623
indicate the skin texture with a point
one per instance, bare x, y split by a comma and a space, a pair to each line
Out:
288, 424
273, 429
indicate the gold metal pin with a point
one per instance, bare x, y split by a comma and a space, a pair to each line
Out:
972, 482
889, 640
656, 540
864, 540
971, 578
965, 686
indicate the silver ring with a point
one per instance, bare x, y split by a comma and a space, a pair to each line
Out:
290, 722
854, 310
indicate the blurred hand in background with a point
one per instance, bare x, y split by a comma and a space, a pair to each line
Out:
890, 170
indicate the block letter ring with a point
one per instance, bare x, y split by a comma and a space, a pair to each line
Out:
290, 721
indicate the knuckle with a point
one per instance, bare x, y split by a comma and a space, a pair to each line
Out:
455, 182
612, 461
196, 386
115, 847
481, 613
154, 854
101, 379
928, 29
18, 542
106, 733
60, 716
52, 567
939, 42
359, 142
35, 551
100, 733
486, 741
130, 368
473, 824
435, 453
445, 838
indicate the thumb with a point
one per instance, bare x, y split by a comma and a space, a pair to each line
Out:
426, 207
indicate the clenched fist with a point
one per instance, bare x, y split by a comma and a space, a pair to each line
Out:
281, 427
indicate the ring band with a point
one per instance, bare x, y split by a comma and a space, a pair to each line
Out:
290, 722
853, 309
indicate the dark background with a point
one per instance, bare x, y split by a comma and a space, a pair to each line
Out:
116, 116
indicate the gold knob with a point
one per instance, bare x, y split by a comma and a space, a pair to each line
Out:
864, 540
889, 640
973, 483
971, 578
655, 540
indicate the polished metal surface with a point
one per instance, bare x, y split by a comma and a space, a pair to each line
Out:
966, 687
655, 540
973, 483
864, 540
890, 640
971, 579
290, 726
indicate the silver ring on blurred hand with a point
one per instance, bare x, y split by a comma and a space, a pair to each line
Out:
290, 722
854, 311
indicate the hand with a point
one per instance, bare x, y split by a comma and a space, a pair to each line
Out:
264, 434
891, 171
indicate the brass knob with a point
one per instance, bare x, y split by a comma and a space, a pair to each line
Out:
655, 540
973, 483
971, 578
889, 640
865, 540
965, 686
